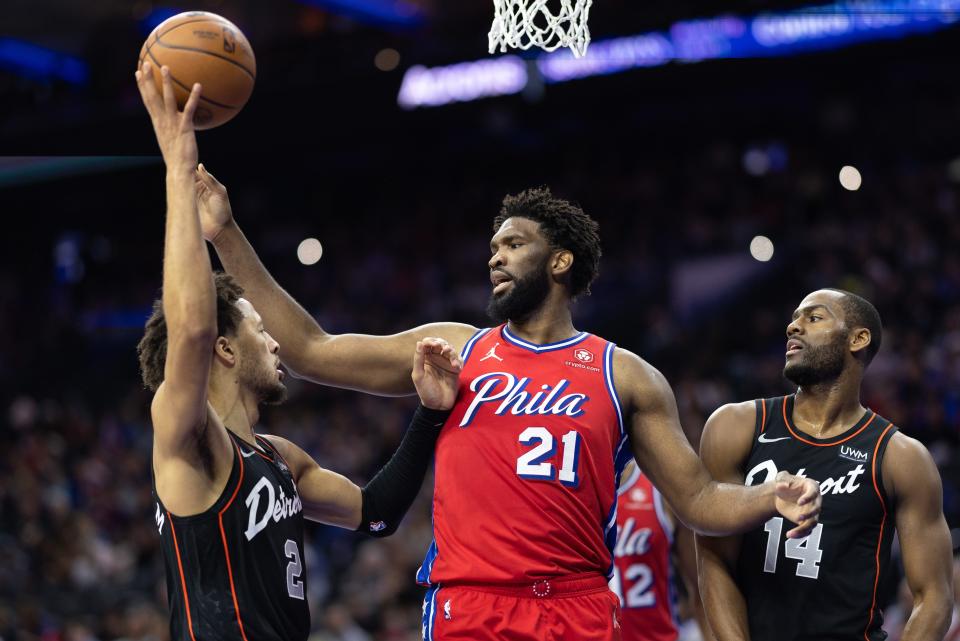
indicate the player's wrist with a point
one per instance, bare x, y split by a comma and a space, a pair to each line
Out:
179, 174
428, 417
768, 499
227, 234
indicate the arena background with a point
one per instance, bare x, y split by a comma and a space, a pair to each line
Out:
682, 162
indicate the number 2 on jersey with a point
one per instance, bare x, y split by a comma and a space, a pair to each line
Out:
534, 464
294, 570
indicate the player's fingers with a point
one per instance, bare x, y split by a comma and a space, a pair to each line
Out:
138, 74
147, 86
803, 529
783, 489
811, 490
438, 361
434, 345
448, 352
208, 177
191, 107
451, 355
418, 360
169, 100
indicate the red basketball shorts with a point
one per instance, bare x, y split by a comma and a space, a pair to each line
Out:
580, 608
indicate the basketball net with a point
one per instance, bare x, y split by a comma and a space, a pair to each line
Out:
521, 24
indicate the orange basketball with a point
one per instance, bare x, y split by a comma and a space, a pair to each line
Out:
206, 48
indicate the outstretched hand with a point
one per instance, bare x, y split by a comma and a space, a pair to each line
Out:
436, 373
798, 500
174, 129
212, 203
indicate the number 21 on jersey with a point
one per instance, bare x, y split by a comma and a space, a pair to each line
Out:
535, 464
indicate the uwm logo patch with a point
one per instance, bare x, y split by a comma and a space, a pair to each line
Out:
583, 355
852, 454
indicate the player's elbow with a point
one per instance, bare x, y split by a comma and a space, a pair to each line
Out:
696, 513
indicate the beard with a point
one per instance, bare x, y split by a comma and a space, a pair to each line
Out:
820, 364
526, 295
263, 382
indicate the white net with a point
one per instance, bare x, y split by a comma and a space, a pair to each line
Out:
521, 24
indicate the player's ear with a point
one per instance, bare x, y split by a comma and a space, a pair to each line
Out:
225, 351
562, 262
860, 339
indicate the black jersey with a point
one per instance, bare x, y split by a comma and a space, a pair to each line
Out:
235, 572
822, 587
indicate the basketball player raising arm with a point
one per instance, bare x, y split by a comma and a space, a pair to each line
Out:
541, 421
377, 365
230, 502
875, 480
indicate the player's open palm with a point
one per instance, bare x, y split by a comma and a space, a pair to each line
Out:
798, 500
174, 129
212, 203
436, 373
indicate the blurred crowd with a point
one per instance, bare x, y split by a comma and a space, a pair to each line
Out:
80, 557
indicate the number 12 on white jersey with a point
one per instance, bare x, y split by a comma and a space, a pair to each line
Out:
535, 463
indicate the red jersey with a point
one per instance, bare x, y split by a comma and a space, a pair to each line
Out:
642, 577
528, 463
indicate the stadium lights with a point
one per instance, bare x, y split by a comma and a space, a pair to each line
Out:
814, 28
761, 248
309, 251
387, 59
850, 178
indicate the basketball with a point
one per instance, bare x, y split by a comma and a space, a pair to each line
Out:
203, 47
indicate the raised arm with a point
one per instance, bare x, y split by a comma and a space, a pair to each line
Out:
374, 364
179, 407
913, 480
704, 504
724, 448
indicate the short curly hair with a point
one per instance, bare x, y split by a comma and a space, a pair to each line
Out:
152, 348
565, 226
859, 312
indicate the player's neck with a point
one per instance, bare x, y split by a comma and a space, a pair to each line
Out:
551, 323
236, 407
828, 409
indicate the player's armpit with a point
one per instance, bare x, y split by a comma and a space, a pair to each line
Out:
327, 497
366, 363
913, 483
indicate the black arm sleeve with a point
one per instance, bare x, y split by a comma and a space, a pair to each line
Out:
389, 494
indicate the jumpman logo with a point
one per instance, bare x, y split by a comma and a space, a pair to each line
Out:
492, 353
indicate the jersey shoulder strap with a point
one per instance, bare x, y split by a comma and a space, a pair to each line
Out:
765, 423
885, 430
